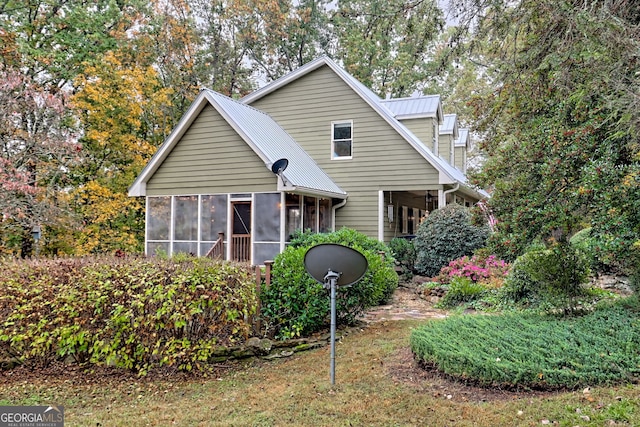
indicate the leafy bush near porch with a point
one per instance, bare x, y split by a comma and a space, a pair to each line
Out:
404, 253
446, 234
296, 305
534, 352
132, 313
462, 290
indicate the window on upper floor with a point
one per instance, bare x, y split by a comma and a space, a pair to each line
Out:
342, 140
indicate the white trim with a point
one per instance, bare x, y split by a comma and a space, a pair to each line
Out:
172, 210
229, 230
146, 226
333, 125
199, 223
283, 221
381, 215
252, 234
441, 201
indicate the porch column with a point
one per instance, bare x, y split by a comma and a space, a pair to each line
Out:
441, 200
381, 209
283, 220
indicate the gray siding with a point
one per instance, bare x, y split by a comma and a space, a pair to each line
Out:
445, 142
422, 128
459, 157
211, 158
306, 107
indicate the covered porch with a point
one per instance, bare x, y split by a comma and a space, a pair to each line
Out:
402, 212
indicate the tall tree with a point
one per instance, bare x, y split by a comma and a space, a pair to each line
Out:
121, 104
38, 146
387, 44
54, 37
562, 124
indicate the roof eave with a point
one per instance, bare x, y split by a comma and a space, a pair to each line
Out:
139, 186
312, 191
417, 116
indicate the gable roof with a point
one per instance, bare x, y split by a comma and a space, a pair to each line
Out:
448, 174
449, 125
265, 137
463, 138
415, 107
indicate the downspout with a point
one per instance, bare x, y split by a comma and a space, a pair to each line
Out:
444, 194
334, 208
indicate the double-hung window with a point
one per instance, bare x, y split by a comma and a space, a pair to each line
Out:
342, 140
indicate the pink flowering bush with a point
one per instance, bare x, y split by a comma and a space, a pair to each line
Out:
486, 270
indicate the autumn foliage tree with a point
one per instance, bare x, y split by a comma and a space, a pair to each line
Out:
38, 146
120, 103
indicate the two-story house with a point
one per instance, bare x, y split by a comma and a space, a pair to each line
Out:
351, 160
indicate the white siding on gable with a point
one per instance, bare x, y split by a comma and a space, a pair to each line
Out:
211, 158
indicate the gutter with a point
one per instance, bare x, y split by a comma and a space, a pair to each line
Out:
444, 194
334, 208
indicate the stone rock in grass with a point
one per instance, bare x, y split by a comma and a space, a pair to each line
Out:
259, 346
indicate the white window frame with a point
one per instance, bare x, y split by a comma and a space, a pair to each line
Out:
333, 141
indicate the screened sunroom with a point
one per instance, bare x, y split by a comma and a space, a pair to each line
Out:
252, 227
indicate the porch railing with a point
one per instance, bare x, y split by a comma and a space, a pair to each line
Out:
217, 250
241, 247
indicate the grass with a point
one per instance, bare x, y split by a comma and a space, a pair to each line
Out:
376, 385
535, 351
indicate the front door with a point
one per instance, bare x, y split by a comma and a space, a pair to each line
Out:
241, 236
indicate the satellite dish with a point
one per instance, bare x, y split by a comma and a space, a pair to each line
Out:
331, 257
279, 166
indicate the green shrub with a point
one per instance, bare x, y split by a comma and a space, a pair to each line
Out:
462, 290
446, 234
521, 284
404, 252
131, 313
296, 305
588, 246
555, 274
534, 352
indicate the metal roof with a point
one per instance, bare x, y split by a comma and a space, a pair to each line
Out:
271, 143
463, 138
267, 139
414, 107
449, 125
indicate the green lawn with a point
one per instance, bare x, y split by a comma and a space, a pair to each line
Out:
377, 385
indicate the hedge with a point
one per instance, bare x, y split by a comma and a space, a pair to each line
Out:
130, 313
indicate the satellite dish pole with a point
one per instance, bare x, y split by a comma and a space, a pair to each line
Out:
334, 265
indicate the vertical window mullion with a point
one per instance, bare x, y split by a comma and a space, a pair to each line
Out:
171, 225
